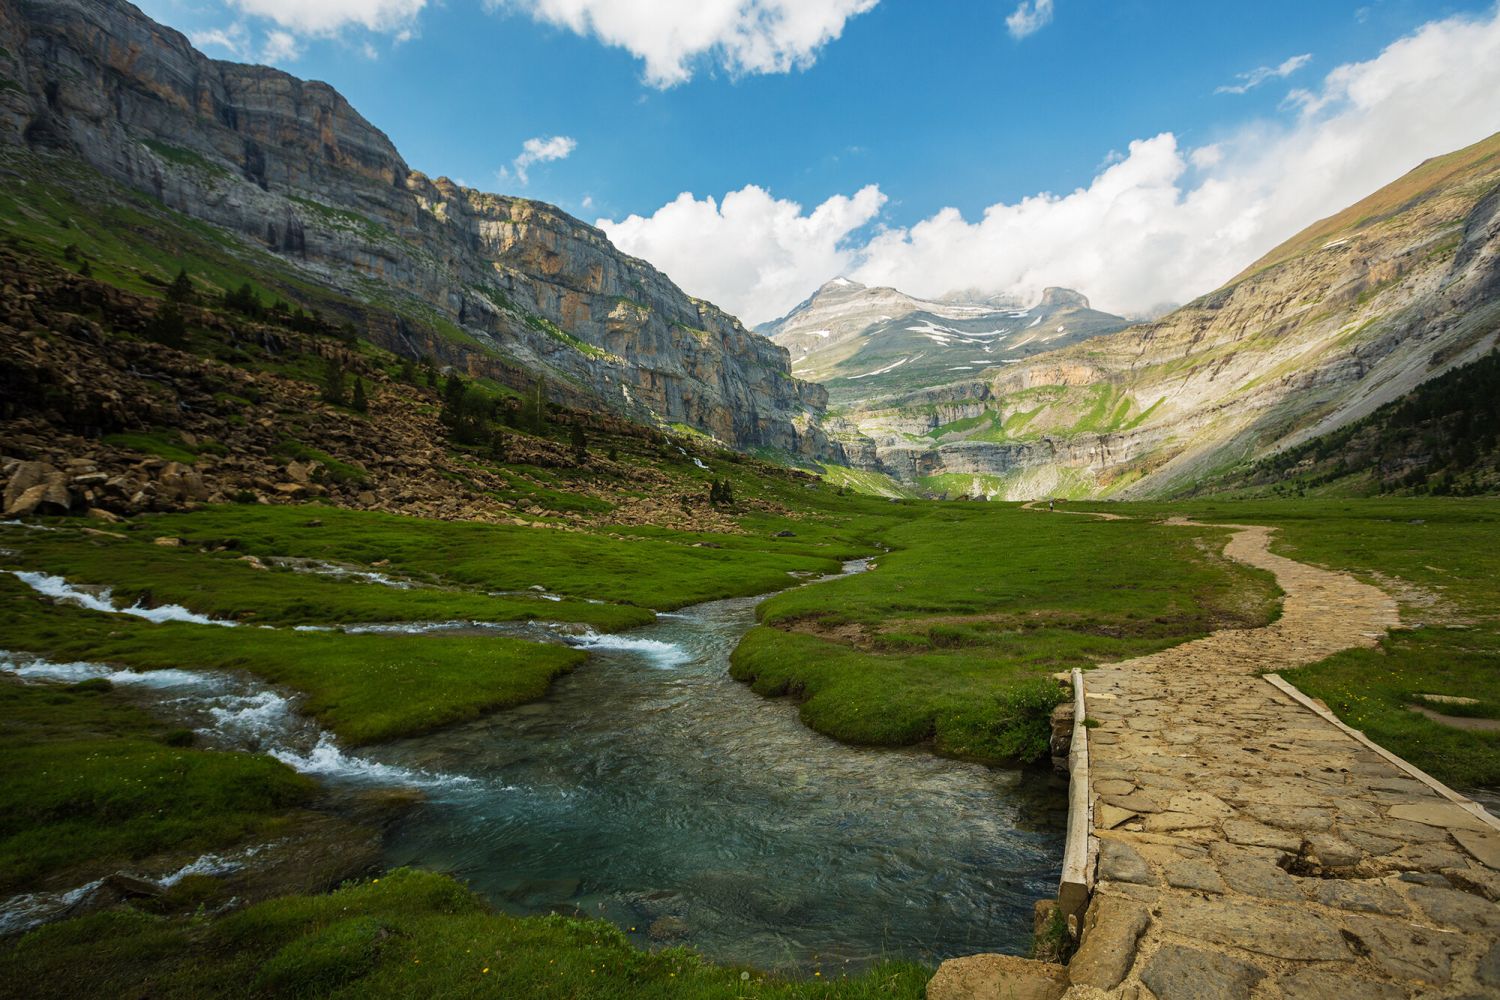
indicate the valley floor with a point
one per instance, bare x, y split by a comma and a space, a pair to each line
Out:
950, 641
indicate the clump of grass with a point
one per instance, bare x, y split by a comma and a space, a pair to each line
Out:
405, 934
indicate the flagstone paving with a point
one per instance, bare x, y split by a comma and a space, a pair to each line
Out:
1249, 847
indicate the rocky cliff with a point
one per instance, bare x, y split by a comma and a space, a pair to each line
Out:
490, 283
1350, 314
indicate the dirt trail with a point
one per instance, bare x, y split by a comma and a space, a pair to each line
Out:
1250, 846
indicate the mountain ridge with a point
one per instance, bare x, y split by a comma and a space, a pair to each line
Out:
1353, 312
490, 282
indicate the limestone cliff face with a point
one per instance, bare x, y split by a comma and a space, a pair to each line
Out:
289, 165
1348, 315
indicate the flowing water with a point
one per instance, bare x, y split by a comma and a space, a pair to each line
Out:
651, 789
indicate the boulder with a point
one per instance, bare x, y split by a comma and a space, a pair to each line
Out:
997, 976
36, 487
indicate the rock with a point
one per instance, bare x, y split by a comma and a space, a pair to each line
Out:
1107, 817
36, 487
1334, 852
1197, 876
1255, 877
1112, 786
1476, 880
1178, 973
998, 976
1274, 931
290, 489
1447, 815
1111, 929
167, 542
27, 503
785, 534
1483, 845
1318, 984
668, 929
1260, 835
1119, 862
1166, 822
1451, 908
100, 514
129, 886
1360, 895
1404, 951
1488, 972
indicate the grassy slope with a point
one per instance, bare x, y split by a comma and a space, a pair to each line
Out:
1389, 200
955, 633
1444, 548
409, 934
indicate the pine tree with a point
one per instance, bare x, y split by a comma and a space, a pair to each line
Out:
167, 326
181, 288
580, 443
333, 383
498, 446
84, 269
359, 403
408, 372
614, 456
432, 378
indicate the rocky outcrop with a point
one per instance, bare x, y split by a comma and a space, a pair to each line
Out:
866, 343
288, 165
1353, 313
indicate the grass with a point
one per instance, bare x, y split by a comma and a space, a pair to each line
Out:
1443, 548
91, 779
366, 688
656, 569
407, 934
953, 636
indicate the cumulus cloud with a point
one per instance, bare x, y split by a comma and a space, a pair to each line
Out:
1249, 81
1029, 17
671, 36
751, 253
1165, 223
329, 17
538, 150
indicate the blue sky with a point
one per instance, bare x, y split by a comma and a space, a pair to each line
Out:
934, 103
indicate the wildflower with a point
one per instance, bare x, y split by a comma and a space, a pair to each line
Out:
485, 971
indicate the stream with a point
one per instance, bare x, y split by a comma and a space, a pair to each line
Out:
651, 789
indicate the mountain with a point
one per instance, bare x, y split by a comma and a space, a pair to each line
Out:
310, 198
1349, 315
864, 342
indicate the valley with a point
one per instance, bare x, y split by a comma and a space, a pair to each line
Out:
406, 591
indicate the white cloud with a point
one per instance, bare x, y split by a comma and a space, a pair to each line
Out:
670, 36
281, 46
538, 150
752, 254
329, 17
1029, 17
1164, 224
1249, 81
234, 39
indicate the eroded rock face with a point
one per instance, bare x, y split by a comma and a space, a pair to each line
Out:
290, 166
1352, 313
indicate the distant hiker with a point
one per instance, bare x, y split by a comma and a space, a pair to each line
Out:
1049, 504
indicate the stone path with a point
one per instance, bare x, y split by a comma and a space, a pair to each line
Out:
1249, 847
